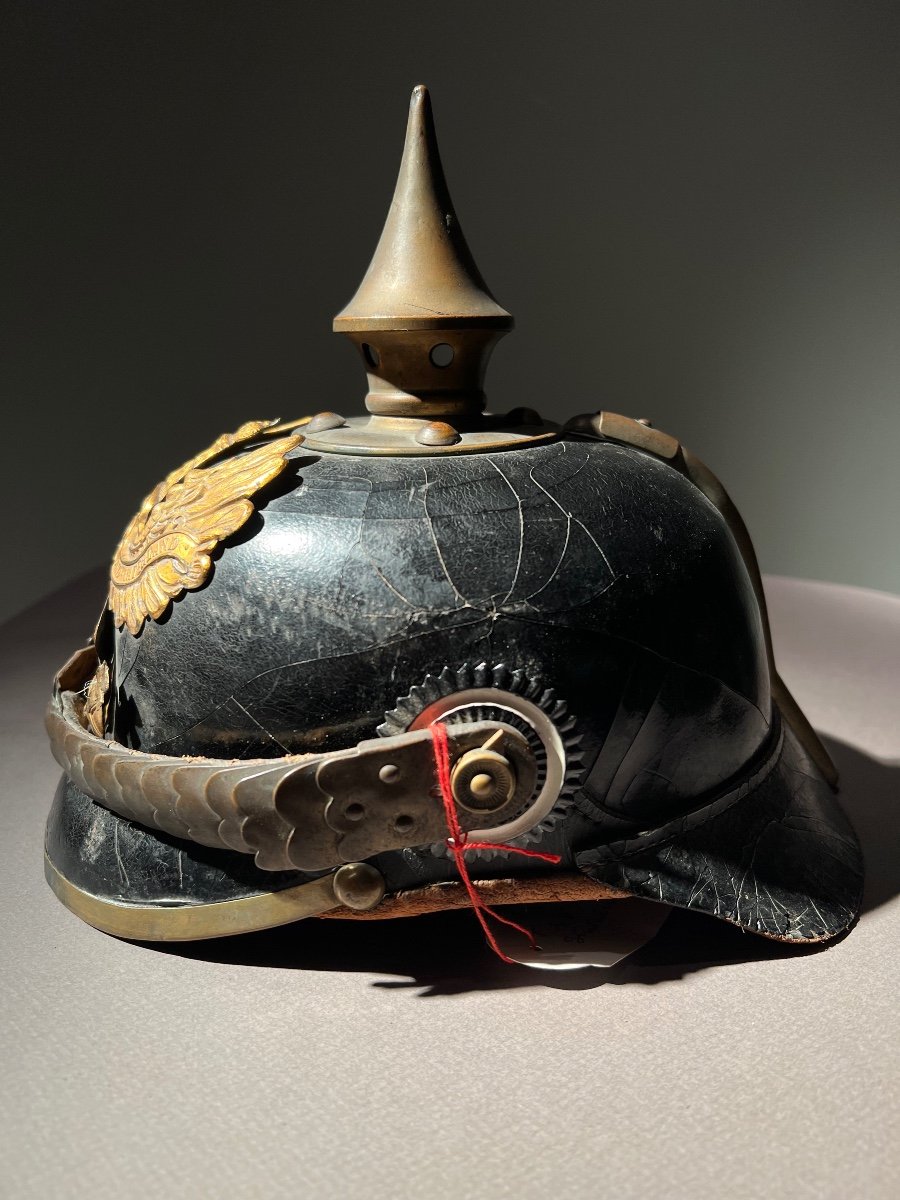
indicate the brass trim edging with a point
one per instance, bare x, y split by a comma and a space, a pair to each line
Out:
194, 922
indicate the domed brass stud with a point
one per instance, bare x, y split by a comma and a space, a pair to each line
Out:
484, 780
358, 886
437, 433
481, 786
324, 420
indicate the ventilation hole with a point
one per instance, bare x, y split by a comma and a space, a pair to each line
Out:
371, 355
354, 812
404, 823
441, 355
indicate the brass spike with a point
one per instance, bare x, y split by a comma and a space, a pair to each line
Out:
423, 317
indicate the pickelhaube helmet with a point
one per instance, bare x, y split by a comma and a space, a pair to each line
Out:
389, 664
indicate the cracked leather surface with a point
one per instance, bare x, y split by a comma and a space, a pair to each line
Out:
590, 565
781, 860
346, 587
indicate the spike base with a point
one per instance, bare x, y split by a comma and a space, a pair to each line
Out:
436, 370
404, 436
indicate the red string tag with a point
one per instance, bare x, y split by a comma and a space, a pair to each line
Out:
458, 844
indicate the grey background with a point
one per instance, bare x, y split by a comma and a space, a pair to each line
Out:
693, 210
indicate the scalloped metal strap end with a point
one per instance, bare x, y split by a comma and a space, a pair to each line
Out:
306, 812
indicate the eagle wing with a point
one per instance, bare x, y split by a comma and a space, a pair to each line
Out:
166, 548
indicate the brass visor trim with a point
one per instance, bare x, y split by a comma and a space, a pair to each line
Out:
251, 914
194, 922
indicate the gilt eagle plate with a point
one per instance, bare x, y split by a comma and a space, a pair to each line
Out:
167, 546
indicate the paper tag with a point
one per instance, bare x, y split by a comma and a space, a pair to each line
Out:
580, 934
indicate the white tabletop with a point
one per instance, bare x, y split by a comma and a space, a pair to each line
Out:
399, 1059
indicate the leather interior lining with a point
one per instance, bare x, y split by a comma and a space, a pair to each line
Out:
438, 897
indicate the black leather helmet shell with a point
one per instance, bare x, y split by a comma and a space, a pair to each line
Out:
586, 574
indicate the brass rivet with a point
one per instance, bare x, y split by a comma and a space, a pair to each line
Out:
324, 420
645, 421
481, 785
483, 780
389, 773
437, 433
358, 886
